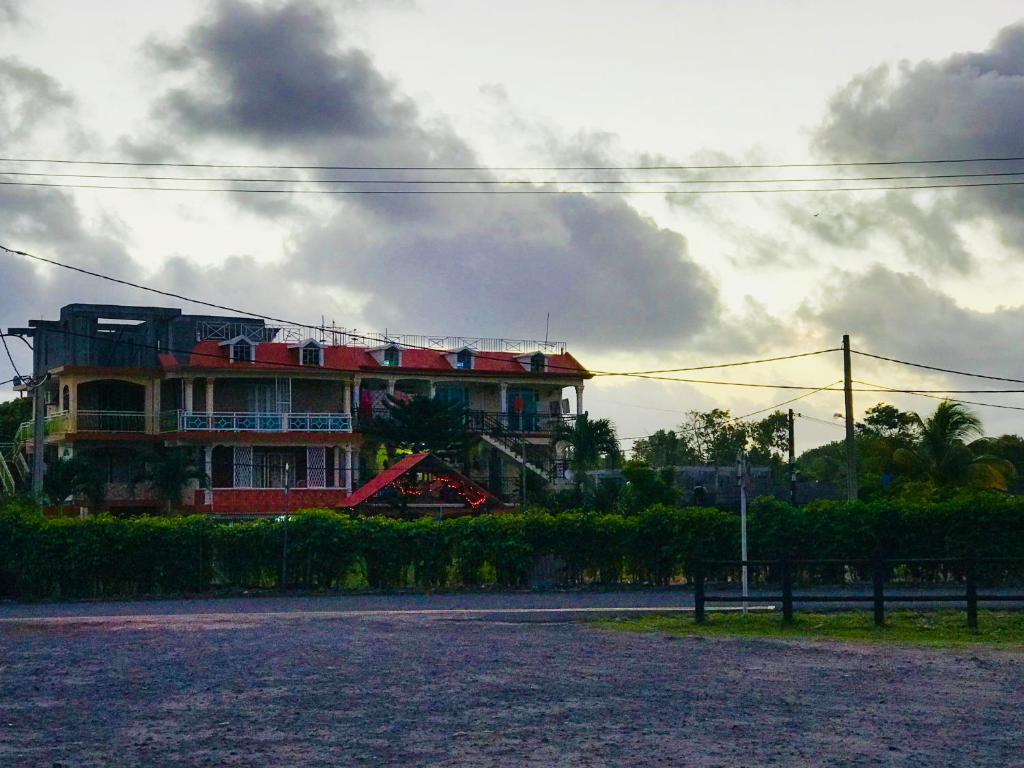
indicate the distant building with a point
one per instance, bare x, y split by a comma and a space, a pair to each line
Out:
267, 407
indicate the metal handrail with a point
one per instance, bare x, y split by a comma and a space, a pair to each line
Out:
253, 421
110, 421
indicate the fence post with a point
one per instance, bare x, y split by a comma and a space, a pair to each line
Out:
972, 588
878, 584
787, 590
698, 592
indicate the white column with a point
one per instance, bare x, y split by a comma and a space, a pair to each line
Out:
348, 468
208, 465
433, 389
503, 403
346, 398
354, 473
356, 400
579, 399
337, 467
209, 395
186, 385
391, 386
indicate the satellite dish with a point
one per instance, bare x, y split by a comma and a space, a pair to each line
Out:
570, 475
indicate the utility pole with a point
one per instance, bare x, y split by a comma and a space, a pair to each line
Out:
851, 446
741, 480
792, 459
38, 437
522, 499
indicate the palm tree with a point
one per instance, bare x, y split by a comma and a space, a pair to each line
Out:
424, 424
589, 441
169, 470
942, 452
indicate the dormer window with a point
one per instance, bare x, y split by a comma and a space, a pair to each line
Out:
242, 351
392, 357
538, 363
311, 352
464, 360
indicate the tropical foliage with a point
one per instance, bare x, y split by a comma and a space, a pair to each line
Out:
592, 443
424, 424
105, 556
169, 470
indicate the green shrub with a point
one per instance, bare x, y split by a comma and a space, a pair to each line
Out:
106, 556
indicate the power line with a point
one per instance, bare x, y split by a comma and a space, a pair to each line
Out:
466, 182
235, 310
821, 421
3, 338
645, 167
488, 192
731, 365
935, 368
883, 388
827, 387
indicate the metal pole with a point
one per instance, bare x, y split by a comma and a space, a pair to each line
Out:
851, 446
284, 548
38, 438
522, 499
741, 473
792, 459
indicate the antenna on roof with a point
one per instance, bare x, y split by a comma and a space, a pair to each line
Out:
547, 327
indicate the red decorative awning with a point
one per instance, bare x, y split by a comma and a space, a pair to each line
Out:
444, 477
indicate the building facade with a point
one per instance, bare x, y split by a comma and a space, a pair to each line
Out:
278, 415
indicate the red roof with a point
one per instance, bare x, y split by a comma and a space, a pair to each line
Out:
277, 356
406, 464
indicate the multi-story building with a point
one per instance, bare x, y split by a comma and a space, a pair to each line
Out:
272, 410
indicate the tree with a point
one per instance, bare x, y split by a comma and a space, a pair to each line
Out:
13, 414
888, 421
714, 437
941, 452
662, 449
424, 424
75, 476
591, 442
169, 470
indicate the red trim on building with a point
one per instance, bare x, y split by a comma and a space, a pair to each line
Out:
267, 502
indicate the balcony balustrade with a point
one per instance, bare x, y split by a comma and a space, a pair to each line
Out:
253, 421
55, 424
491, 421
110, 421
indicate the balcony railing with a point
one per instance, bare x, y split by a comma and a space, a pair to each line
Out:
491, 421
253, 421
110, 421
55, 424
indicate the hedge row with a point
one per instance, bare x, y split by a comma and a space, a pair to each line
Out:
106, 556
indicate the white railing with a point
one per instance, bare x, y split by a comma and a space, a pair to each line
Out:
254, 421
110, 421
55, 423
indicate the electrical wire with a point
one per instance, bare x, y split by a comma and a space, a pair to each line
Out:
883, 388
10, 357
727, 365
489, 192
827, 387
935, 368
647, 167
492, 182
322, 328
821, 421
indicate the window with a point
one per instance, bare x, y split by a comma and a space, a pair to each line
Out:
392, 357
537, 363
242, 351
464, 360
311, 355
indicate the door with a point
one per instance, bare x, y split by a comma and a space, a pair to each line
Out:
521, 408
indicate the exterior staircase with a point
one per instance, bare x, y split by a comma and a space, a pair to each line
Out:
494, 433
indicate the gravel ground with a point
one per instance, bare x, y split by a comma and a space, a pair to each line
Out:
274, 683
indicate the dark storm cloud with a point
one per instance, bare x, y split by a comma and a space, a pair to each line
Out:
900, 315
967, 105
276, 78
275, 74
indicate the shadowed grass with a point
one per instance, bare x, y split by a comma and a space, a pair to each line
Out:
944, 629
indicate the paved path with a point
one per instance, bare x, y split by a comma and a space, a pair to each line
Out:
305, 681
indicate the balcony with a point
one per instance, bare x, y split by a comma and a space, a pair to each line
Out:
55, 424
110, 421
250, 421
490, 421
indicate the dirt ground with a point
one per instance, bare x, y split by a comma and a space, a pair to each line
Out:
244, 688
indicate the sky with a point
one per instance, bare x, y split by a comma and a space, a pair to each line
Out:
631, 282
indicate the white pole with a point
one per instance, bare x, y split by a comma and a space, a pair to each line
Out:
741, 467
